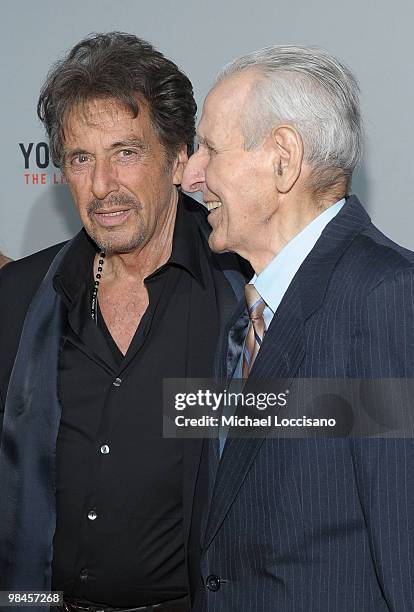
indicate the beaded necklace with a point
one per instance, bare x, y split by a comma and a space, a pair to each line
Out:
94, 301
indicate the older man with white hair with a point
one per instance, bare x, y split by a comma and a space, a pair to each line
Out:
315, 524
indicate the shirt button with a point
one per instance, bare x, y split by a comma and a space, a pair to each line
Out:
105, 449
213, 583
117, 382
84, 574
92, 515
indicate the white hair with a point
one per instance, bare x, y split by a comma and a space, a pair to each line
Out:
316, 94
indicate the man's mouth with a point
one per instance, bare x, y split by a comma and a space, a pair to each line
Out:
111, 217
213, 205
115, 213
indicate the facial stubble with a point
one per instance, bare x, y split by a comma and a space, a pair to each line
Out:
113, 244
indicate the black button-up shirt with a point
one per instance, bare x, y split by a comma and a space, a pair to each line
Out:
119, 535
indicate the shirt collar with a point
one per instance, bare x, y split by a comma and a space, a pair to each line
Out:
186, 239
276, 277
76, 268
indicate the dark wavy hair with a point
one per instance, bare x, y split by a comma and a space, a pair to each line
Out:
120, 66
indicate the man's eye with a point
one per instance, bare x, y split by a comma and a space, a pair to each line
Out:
206, 147
209, 148
80, 159
127, 153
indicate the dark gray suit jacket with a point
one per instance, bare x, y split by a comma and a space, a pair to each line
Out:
322, 525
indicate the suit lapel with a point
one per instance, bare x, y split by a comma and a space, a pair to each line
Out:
315, 273
286, 332
191, 464
229, 285
283, 348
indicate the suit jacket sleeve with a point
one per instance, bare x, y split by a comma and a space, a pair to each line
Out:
19, 281
2, 349
384, 468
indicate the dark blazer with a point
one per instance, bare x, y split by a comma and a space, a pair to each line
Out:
322, 525
20, 280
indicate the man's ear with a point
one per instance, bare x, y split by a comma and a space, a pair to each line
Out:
179, 165
288, 155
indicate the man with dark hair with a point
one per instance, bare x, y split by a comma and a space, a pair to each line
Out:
95, 503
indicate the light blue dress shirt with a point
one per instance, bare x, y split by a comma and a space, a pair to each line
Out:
273, 282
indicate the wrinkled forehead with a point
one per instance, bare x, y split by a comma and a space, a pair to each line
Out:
225, 104
106, 119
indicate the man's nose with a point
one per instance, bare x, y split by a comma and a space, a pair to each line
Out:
104, 179
194, 173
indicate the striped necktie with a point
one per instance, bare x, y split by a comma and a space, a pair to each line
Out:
256, 330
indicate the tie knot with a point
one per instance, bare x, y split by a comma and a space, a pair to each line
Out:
255, 303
